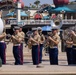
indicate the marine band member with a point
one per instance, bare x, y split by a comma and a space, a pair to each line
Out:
53, 47
16, 39
35, 40
42, 40
3, 47
22, 35
69, 49
74, 46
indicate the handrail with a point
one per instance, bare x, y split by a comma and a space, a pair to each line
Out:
29, 22
39, 22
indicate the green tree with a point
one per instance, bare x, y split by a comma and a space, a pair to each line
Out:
33, 6
37, 2
26, 7
73, 2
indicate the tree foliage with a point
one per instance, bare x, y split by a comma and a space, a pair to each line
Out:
26, 7
37, 2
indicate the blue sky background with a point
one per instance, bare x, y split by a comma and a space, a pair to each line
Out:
27, 2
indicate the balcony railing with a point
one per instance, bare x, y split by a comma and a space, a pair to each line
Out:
29, 22
38, 22
69, 21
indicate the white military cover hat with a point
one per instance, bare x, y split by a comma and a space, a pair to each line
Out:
55, 28
39, 28
16, 28
34, 29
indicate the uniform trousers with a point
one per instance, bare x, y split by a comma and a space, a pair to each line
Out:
17, 55
21, 52
53, 55
41, 48
3, 52
69, 53
74, 55
35, 54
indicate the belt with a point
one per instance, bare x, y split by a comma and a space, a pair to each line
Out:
74, 44
69, 46
35, 44
2, 41
17, 45
54, 47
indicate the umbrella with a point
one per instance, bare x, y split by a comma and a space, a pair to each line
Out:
37, 16
14, 13
46, 18
23, 14
10, 14
62, 8
46, 28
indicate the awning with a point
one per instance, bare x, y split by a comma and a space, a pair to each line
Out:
38, 16
14, 13
23, 14
48, 8
46, 28
61, 9
10, 14
46, 17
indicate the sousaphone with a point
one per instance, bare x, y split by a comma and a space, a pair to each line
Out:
56, 23
1, 24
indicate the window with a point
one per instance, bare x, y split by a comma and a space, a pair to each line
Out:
69, 16
74, 16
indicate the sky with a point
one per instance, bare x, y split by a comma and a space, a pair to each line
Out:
27, 2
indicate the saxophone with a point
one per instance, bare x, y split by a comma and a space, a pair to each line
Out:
29, 44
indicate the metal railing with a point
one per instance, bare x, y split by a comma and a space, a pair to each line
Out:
69, 21
38, 22
28, 22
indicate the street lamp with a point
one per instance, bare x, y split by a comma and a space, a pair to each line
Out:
62, 12
18, 10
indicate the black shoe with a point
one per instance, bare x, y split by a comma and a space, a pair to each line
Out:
39, 66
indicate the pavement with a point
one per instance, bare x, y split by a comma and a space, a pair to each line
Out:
29, 69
